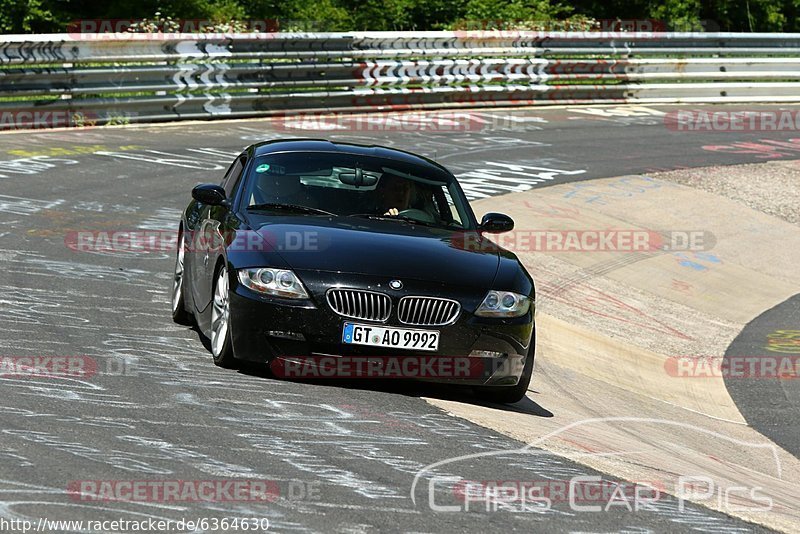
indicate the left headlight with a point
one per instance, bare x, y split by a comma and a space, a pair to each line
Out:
503, 304
275, 282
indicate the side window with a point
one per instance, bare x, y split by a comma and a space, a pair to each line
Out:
231, 179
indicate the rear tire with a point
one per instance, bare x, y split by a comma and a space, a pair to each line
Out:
179, 313
221, 346
510, 395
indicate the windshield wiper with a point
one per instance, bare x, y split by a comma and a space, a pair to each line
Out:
399, 218
289, 207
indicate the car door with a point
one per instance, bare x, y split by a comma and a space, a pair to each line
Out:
211, 233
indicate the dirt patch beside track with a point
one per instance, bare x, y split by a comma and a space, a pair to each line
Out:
621, 331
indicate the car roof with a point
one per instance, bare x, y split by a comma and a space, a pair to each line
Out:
323, 145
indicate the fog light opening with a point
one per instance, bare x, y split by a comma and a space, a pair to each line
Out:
486, 354
296, 336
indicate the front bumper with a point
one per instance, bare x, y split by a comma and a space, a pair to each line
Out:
281, 331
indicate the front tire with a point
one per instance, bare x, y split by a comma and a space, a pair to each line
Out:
221, 347
510, 395
179, 313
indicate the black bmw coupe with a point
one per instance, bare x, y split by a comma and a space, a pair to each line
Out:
343, 260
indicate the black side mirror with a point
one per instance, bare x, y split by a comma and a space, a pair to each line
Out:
496, 223
210, 194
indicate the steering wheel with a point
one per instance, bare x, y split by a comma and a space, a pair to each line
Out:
420, 215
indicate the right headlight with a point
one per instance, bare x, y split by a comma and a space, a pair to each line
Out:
503, 304
276, 282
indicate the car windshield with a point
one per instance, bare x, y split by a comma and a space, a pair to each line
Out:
359, 186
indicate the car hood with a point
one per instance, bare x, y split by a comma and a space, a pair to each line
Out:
381, 248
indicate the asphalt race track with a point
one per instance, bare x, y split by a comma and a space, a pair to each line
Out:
767, 404
340, 457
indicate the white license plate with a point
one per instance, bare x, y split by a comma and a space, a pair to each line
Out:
398, 338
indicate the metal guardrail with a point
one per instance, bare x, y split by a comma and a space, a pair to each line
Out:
157, 77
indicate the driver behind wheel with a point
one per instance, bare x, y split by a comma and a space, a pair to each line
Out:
394, 194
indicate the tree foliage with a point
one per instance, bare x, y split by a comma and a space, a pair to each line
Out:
27, 16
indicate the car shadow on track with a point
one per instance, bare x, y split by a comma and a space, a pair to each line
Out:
408, 388
399, 387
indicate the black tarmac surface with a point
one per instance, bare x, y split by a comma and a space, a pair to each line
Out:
337, 457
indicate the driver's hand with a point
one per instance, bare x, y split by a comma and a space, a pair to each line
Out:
392, 211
